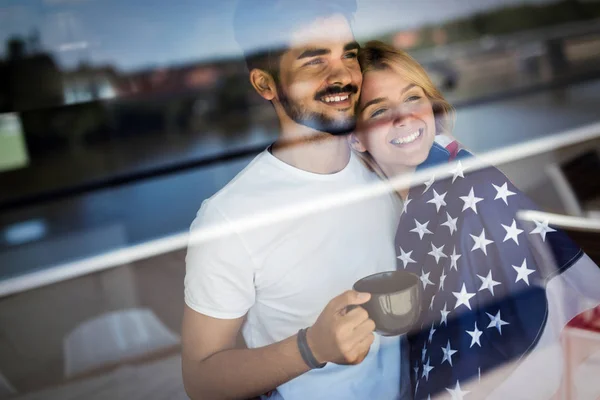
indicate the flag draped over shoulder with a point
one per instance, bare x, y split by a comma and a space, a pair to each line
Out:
483, 272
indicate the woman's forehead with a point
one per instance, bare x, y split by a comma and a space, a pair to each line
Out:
385, 82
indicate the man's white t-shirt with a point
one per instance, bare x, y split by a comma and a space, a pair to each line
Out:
280, 243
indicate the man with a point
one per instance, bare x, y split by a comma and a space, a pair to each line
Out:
271, 275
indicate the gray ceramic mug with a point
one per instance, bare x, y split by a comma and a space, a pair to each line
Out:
395, 303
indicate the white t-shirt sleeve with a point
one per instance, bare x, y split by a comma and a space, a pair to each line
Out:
219, 279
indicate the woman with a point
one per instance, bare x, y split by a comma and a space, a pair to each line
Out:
484, 272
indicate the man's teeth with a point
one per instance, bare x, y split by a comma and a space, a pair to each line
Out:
407, 139
330, 99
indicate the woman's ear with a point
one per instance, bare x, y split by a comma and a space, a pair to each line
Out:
263, 83
355, 143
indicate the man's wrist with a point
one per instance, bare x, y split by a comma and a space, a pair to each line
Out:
306, 350
312, 346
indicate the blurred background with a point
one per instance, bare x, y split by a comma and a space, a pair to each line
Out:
117, 119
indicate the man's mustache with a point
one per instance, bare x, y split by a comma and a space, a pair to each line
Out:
333, 90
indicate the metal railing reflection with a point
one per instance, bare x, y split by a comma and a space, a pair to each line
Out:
171, 243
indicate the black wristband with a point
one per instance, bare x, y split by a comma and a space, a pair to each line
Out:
305, 352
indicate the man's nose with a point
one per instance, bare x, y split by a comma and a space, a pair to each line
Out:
340, 74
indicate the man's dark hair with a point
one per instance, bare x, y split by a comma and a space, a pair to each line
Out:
258, 22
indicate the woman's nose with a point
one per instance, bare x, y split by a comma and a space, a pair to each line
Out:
400, 116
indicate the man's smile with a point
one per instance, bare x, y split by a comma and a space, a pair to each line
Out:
339, 100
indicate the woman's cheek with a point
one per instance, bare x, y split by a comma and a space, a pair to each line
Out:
423, 110
377, 137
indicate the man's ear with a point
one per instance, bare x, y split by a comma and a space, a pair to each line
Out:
263, 83
356, 143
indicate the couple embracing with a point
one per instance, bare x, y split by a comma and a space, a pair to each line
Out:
291, 234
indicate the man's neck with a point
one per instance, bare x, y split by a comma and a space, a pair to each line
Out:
311, 150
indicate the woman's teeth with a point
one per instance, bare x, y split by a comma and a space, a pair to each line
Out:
331, 99
407, 139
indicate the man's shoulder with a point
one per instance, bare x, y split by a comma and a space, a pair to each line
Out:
267, 184
260, 184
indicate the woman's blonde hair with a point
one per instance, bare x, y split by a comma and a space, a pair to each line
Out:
376, 56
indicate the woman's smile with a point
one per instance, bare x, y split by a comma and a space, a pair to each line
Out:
405, 140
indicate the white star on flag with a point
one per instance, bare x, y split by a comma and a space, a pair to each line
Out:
429, 183
512, 232
405, 257
424, 352
450, 223
425, 279
438, 200
442, 279
496, 321
475, 336
471, 201
448, 353
421, 229
426, 369
523, 272
453, 259
437, 253
431, 302
457, 393
463, 297
416, 369
542, 228
488, 282
405, 206
502, 192
481, 242
444, 313
458, 171
431, 332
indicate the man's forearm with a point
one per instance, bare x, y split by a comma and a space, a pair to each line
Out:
244, 373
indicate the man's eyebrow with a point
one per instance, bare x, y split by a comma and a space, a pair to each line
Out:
352, 46
313, 53
371, 102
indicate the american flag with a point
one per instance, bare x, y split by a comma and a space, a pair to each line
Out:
483, 273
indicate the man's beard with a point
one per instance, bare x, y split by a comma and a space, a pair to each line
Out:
316, 120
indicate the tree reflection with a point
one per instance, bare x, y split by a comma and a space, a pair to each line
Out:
29, 77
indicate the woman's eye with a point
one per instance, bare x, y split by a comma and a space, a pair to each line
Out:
351, 55
413, 98
378, 112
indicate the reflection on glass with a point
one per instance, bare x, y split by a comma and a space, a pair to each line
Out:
13, 153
